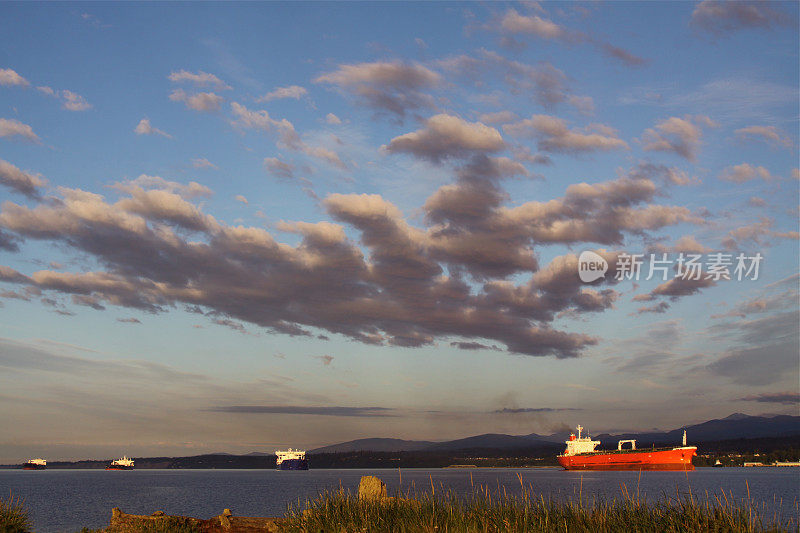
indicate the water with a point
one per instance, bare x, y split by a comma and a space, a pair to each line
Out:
67, 500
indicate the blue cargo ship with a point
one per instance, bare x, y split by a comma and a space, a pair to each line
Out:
291, 460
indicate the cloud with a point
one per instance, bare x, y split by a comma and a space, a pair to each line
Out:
498, 117
129, 320
287, 135
279, 168
720, 17
668, 175
199, 78
514, 23
11, 127
145, 128
770, 134
326, 359
660, 307
756, 233
332, 119
293, 91
785, 398
204, 163
623, 55
307, 410
767, 352
686, 244
554, 135
198, 101
393, 86
472, 346
240, 198
520, 410
74, 102
678, 135
445, 136
20, 181
231, 324
368, 275
9, 78
744, 172
545, 84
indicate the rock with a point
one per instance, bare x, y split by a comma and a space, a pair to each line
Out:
371, 488
115, 512
224, 521
159, 513
227, 512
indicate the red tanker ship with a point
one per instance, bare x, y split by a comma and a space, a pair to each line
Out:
582, 455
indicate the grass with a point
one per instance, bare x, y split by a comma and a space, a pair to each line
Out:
441, 511
14, 517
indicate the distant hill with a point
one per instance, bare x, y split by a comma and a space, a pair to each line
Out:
375, 445
490, 440
735, 426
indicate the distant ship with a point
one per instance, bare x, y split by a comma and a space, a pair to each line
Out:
582, 455
35, 464
121, 464
291, 460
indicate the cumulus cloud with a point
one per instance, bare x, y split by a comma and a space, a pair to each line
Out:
554, 136
512, 22
293, 91
744, 172
197, 101
663, 173
145, 128
332, 119
770, 134
74, 101
199, 78
686, 244
399, 285
720, 17
394, 86
11, 128
445, 136
20, 181
9, 78
498, 117
240, 198
678, 135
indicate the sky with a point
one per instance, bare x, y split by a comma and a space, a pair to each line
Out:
243, 227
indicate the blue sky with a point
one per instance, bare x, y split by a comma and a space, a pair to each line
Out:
232, 227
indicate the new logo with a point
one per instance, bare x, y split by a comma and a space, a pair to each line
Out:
591, 266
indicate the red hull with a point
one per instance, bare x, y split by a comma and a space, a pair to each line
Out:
670, 459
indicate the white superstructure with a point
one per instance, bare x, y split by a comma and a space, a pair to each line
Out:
125, 462
286, 455
579, 444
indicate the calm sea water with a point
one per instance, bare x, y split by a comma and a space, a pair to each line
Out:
67, 500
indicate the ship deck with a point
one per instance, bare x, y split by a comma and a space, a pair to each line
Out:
637, 450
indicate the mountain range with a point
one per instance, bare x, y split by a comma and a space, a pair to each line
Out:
735, 426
